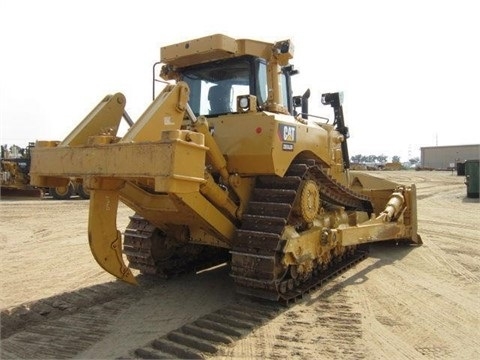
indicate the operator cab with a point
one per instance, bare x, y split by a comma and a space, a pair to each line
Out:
215, 86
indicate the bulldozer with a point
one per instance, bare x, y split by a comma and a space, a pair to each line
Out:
14, 173
15, 179
227, 165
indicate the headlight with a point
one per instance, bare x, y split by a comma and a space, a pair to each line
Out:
243, 102
246, 103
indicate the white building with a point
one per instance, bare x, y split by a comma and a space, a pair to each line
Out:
447, 157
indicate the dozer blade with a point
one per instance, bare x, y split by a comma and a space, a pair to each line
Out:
104, 238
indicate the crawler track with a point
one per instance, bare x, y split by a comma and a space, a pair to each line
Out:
258, 245
148, 250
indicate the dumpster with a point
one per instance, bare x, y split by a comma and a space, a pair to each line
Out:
461, 168
472, 175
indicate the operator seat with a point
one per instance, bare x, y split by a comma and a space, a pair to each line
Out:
219, 97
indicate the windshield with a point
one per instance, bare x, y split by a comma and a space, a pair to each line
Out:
214, 87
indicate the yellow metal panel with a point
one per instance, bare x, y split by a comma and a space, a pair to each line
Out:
104, 119
137, 199
191, 209
371, 232
366, 182
165, 113
378, 190
214, 47
265, 143
198, 50
217, 222
170, 159
256, 48
246, 141
293, 138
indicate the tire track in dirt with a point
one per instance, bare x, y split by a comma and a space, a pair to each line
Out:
324, 324
397, 329
65, 324
335, 330
409, 311
208, 335
79, 323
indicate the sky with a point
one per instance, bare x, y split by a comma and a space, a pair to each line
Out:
409, 70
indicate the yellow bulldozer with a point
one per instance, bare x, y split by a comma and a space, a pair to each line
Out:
15, 178
226, 165
14, 173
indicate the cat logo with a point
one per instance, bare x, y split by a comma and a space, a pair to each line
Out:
287, 133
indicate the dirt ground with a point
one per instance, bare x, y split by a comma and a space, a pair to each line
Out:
400, 303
